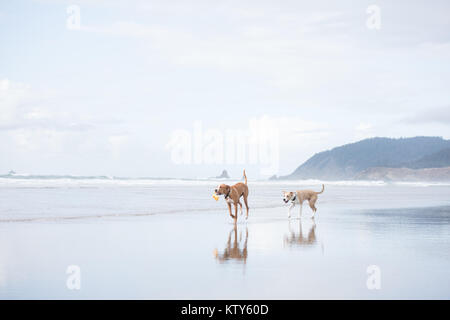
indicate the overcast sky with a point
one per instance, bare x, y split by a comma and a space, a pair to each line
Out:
108, 95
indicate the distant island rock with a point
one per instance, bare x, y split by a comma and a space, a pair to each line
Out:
224, 175
366, 157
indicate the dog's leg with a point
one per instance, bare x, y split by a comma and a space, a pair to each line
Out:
240, 207
246, 204
289, 210
235, 212
229, 209
312, 203
300, 211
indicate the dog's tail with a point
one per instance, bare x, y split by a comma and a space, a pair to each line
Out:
323, 188
245, 176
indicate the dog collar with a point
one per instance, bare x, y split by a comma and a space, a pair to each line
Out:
293, 199
228, 194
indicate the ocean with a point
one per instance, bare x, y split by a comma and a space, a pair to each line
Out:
168, 238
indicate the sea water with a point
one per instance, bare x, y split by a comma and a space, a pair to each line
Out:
156, 239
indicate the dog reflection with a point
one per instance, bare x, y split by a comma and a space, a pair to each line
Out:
299, 239
233, 250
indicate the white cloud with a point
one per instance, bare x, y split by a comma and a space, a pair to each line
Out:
363, 126
133, 29
38, 139
22, 107
38, 114
158, 65
287, 53
116, 143
364, 130
12, 95
298, 139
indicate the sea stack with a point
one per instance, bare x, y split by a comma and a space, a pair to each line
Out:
224, 175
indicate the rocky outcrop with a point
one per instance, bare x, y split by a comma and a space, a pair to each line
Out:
350, 160
406, 174
224, 175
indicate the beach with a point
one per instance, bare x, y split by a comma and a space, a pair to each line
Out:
169, 239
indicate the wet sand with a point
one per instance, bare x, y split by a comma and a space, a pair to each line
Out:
203, 255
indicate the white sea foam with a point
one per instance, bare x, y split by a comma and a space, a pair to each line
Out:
95, 182
312, 182
28, 200
423, 184
83, 182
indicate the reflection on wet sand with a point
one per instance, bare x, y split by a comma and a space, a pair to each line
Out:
294, 238
233, 251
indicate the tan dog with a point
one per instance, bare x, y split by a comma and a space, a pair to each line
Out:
233, 194
299, 196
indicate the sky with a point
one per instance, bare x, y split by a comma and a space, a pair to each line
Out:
189, 88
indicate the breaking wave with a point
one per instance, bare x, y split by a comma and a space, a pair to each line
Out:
55, 181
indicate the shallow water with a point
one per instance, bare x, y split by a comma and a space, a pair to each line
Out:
172, 240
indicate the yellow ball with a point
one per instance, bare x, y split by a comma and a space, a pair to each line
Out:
215, 196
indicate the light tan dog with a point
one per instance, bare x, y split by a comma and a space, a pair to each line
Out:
299, 196
233, 194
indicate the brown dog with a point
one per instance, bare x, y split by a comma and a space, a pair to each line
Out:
233, 194
299, 196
